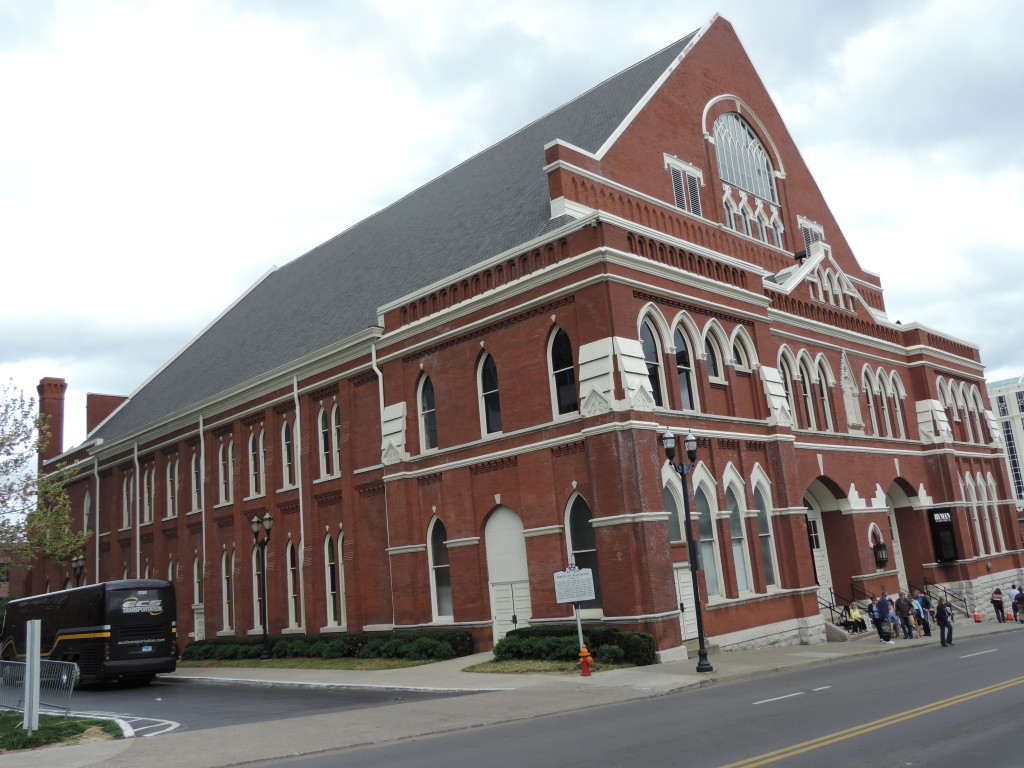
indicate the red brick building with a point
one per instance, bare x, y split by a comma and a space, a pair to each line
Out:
450, 401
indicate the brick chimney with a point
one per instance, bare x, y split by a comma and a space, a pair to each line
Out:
98, 407
51, 404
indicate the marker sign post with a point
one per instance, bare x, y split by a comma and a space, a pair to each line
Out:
575, 585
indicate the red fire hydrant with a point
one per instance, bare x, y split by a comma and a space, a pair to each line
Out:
585, 661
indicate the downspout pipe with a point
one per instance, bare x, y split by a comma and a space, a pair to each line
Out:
138, 509
302, 510
387, 523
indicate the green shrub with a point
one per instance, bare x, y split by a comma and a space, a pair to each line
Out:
638, 647
428, 648
610, 654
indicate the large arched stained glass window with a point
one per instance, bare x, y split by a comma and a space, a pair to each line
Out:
742, 160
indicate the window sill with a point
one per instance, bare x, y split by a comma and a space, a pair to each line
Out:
195, 512
325, 478
293, 631
222, 504
255, 496
334, 628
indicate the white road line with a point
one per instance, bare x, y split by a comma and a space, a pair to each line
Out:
979, 653
823, 688
780, 698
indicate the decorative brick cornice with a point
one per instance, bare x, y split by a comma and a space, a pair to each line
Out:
366, 377
171, 532
288, 507
124, 542
508, 321
327, 391
192, 442
195, 527
694, 308
371, 489
169, 450
225, 521
223, 430
495, 465
253, 419
146, 538
576, 446
256, 511
727, 444
754, 445
286, 407
431, 479
125, 466
328, 499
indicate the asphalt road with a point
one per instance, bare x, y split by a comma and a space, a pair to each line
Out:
938, 707
172, 705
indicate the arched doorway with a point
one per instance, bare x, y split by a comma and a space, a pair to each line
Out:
507, 572
822, 497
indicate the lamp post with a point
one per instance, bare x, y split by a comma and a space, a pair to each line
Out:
266, 523
690, 444
78, 568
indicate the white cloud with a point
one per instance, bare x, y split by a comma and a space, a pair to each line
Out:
170, 152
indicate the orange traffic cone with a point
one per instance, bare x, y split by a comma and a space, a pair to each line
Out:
977, 616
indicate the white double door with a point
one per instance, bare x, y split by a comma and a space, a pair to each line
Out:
507, 572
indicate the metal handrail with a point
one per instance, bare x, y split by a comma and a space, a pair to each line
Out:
948, 594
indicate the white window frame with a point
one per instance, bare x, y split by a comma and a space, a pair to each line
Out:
482, 395
172, 488
257, 465
738, 541
294, 608
553, 375
227, 590
435, 568
287, 454
335, 596
425, 415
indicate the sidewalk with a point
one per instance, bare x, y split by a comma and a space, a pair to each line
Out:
496, 699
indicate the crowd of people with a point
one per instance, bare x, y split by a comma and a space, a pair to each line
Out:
913, 617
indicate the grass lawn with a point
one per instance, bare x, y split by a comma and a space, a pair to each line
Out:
53, 730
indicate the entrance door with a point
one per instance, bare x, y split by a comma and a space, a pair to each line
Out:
819, 553
507, 571
684, 590
897, 550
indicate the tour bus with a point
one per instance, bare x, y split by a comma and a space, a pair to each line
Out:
117, 630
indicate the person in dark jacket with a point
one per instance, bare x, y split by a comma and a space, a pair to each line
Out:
944, 618
903, 611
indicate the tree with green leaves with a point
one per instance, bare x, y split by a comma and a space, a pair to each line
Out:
35, 510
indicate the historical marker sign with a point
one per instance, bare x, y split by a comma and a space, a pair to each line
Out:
575, 585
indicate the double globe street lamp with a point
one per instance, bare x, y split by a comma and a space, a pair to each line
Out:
690, 444
78, 568
265, 524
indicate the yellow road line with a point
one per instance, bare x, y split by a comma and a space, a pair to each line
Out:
832, 738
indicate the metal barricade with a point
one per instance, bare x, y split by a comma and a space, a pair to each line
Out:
57, 681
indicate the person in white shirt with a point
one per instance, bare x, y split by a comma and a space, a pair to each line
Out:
1011, 593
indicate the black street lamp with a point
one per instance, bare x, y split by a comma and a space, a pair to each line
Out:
266, 524
690, 444
78, 568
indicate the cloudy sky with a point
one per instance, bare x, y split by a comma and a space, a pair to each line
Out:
157, 157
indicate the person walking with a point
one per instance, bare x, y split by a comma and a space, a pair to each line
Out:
903, 612
926, 612
882, 606
1011, 598
944, 618
997, 605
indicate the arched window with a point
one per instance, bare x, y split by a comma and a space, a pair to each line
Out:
652, 356
738, 538
197, 482
583, 546
172, 487
764, 534
490, 402
126, 500
805, 396
786, 373
257, 463
684, 370
287, 455
428, 415
707, 557
742, 160
326, 450
224, 462
148, 483
257, 588
713, 357
86, 510
563, 374
294, 609
826, 407
197, 581
871, 426
336, 438
335, 586
440, 572
227, 590
170, 569
675, 528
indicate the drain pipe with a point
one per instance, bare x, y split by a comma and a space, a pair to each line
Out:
302, 512
138, 509
387, 523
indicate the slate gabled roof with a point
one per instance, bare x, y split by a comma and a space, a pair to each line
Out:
488, 204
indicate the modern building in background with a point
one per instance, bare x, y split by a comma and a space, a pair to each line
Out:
445, 404
1007, 400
